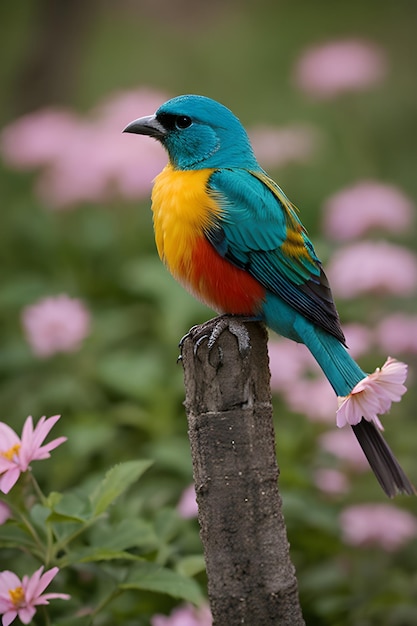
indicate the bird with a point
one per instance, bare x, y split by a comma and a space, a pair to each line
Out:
229, 234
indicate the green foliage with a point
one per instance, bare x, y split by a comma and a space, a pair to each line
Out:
109, 517
77, 530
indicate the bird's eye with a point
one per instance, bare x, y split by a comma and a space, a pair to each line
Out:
183, 121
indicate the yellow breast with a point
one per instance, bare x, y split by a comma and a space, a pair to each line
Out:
182, 209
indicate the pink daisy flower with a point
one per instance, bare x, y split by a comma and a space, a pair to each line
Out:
17, 454
373, 395
19, 598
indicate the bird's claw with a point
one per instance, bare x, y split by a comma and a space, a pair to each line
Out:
234, 324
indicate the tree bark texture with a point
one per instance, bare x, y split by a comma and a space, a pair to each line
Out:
251, 579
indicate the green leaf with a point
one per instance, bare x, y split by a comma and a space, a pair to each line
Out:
11, 536
152, 577
68, 507
191, 565
39, 515
97, 553
129, 533
117, 480
167, 525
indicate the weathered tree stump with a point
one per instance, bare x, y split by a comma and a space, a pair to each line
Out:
251, 579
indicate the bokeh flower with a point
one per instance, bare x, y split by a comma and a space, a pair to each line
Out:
287, 361
343, 445
312, 397
38, 138
56, 324
397, 333
16, 453
86, 159
354, 211
187, 504
275, 147
296, 375
359, 339
327, 70
373, 395
372, 267
331, 481
19, 598
184, 615
382, 525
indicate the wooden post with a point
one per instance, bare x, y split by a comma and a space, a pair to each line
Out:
251, 579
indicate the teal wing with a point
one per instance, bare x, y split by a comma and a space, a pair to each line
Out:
259, 230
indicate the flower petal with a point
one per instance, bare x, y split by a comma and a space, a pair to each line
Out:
9, 479
31, 448
9, 617
26, 614
8, 437
8, 580
373, 395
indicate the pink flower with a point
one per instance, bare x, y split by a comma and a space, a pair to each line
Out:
356, 210
38, 138
275, 147
358, 338
86, 159
326, 70
296, 374
331, 481
381, 525
287, 361
18, 598
187, 505
56, 324
313, 398
17, 454
343, 445
398, 333
185, 615
373, 395
376, 267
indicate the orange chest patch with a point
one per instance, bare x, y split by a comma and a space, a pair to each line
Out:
182, 211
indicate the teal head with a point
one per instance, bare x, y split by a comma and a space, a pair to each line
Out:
198, 132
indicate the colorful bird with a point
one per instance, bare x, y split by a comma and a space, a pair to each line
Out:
229, 234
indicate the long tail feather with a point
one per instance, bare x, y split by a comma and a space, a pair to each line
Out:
383, 463
343, 373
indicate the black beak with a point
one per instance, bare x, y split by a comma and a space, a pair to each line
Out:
148, 125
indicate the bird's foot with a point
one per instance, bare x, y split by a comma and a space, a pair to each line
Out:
208, 332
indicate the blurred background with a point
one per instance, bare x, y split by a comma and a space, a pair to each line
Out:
90, 318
